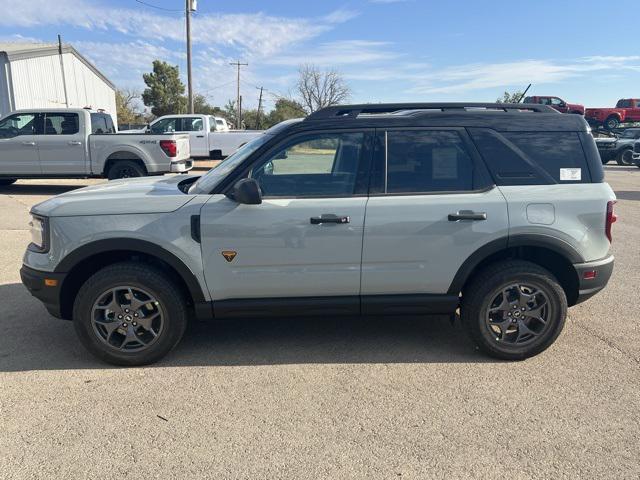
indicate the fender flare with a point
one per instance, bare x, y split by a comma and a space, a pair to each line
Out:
137, 246
519, 240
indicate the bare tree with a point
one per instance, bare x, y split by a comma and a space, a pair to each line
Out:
319, 89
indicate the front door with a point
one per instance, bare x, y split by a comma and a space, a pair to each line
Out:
432, 205
305, 240
62, 145
18, 145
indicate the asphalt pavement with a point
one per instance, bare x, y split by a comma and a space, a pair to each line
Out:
324, 398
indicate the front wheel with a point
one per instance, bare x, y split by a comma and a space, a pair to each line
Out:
514, 309
129, 314
625, 157
125, 169
612, 123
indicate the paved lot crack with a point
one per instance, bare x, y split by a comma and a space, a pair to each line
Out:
629, 355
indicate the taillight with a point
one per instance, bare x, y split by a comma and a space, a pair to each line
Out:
611, 219
169, 147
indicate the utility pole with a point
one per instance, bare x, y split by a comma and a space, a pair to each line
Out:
64, 76
259, 110
190, 6
238, 106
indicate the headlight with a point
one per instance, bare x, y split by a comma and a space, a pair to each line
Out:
39, 234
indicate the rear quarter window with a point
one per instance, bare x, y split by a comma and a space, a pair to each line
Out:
533, 158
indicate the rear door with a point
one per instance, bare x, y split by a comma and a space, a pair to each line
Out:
18, 145
62, 144
198, 138
432, 205
305, 239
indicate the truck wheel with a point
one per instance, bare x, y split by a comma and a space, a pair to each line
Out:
514, 309
125, 169
625, 157
7, 181
129, 314
612, 123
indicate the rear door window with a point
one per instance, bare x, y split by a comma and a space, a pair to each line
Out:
61, 124
426, 161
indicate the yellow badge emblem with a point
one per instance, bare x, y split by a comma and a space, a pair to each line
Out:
229, 255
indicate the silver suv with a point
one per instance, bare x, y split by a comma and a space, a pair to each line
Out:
498, 212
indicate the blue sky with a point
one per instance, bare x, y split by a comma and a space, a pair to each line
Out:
388, 50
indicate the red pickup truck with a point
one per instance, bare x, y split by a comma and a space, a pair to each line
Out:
627, 110
557, 103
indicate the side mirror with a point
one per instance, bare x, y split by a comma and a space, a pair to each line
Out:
247, 191
147, 128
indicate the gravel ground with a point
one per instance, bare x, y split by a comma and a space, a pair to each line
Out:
329, 398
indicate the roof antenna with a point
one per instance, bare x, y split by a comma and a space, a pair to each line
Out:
523, 94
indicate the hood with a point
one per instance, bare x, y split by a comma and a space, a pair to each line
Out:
127, 196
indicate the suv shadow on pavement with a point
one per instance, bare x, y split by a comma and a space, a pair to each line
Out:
32, 341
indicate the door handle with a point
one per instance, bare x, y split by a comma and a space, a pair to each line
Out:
467, 215
330, 218
29, 144
75, 142
199, 136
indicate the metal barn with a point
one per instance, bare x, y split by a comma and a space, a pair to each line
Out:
44, 75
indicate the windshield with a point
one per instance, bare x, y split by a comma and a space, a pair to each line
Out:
210, 179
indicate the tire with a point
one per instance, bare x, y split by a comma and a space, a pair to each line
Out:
611, 123
154, 327
125, 169
625, 157
7, 181
484, 294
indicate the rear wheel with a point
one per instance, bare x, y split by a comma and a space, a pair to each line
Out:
7, 181
612, 123
129, 314
125, 169
625, 157
514, 309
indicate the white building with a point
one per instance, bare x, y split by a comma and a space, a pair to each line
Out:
35, 75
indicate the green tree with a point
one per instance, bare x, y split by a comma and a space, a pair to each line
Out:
203, 107
508, 97
165, 91
285, 109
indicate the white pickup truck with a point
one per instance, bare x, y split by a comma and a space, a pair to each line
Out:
76, 142
210, 136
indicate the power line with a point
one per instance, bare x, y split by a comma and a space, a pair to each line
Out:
157, 7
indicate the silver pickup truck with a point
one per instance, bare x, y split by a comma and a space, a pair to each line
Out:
75, 142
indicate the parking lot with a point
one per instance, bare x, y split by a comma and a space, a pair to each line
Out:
354, 398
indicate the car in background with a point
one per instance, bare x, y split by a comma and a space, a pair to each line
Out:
557, 103
209, 136
79, 143
626, 110
618, 147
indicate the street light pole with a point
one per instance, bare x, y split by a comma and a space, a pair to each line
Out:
189, 7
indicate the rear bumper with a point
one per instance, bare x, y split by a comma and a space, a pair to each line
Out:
34, 280
587, 288
182, 166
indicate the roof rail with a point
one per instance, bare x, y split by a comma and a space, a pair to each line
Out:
352, 111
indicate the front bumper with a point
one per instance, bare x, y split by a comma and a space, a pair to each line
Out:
588, 287
636, 157
181, 166
49, 292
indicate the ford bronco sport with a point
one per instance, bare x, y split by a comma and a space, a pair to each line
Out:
498, 210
